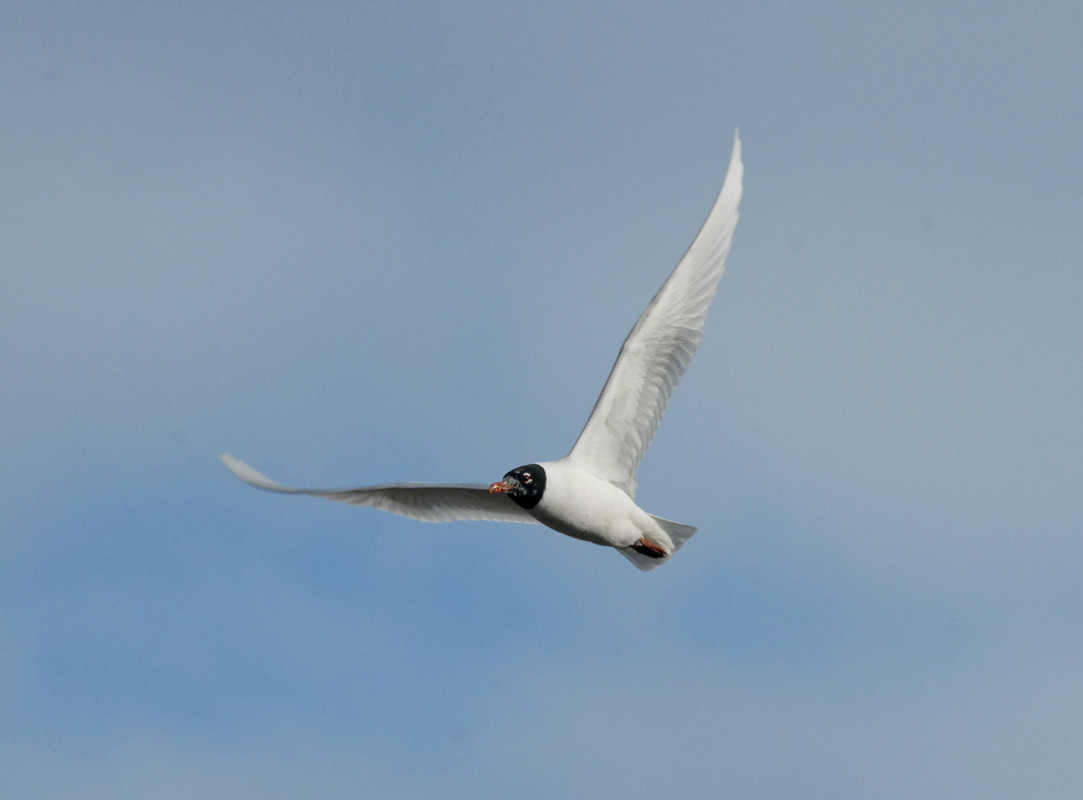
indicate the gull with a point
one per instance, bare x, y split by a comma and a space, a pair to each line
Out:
590, 493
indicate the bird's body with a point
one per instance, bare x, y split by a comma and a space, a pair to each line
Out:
590, 493
579, 504
586, 507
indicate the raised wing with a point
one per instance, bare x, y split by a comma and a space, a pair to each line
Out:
421, 501
659, 347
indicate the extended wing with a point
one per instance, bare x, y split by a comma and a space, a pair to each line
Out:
421, 501
659, 347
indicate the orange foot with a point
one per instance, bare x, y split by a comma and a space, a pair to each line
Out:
649, 548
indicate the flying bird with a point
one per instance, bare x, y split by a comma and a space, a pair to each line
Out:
590, 493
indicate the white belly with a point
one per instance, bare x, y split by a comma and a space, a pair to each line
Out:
585, 507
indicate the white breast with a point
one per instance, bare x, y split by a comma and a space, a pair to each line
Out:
584, 506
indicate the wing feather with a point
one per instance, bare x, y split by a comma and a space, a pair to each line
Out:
422, 501
659, 347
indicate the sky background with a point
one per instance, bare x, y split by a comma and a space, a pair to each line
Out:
366, 242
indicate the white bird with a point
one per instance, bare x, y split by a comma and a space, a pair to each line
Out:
590, 493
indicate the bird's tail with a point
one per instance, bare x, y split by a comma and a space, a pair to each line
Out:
678, 535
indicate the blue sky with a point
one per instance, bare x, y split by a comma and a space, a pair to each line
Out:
359, 243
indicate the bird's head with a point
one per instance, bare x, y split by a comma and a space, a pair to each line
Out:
525, 485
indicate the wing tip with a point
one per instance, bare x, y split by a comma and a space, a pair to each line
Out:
736, 166
253, 477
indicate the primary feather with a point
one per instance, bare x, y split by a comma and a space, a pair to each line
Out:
659, 347
422, 501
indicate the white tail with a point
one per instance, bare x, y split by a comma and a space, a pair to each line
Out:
678, 534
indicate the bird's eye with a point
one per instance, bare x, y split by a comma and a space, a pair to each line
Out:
527, 477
